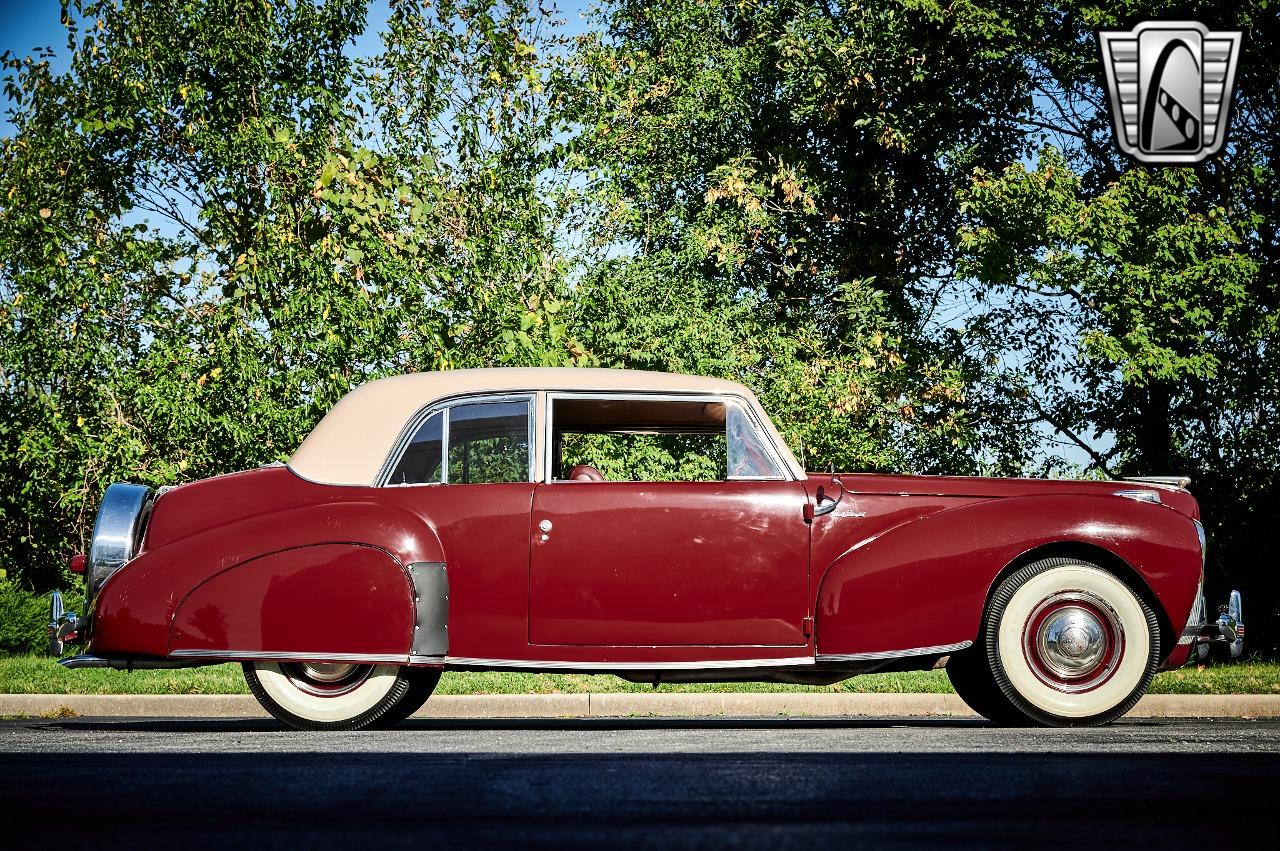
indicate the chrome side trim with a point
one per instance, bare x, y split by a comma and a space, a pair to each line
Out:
84, 660
714, 664
263, 656
895, 654
476, 662
120, 663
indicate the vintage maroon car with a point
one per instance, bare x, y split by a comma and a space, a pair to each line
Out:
643, 524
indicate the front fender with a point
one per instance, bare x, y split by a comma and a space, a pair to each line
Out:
924, 583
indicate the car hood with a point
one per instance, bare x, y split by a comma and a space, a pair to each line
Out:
982, 487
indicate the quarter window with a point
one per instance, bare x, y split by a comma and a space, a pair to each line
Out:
421, 461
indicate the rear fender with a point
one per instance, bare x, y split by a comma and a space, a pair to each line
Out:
135, 609
329, 600
924, 584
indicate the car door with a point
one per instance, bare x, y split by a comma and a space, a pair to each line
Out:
467, 471
669, 563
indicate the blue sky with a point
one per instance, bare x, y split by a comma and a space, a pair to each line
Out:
26, 24
29, 24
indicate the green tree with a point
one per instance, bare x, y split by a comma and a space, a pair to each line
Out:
773, 187
216, 222
1136, 306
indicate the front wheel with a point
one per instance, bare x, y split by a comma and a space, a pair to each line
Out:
338, 696
1065, 644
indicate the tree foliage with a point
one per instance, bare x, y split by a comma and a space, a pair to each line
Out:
776, 181
1136, 306
216, 222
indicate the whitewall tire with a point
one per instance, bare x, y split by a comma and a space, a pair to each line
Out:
338, 696
1067, 643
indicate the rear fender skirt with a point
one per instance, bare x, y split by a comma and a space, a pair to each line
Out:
315, 599
925, 583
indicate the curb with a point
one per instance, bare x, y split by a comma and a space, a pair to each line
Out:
621, 705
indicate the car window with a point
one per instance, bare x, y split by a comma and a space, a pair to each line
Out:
420, 463
646, 457
657, 440
747, 457
489, 442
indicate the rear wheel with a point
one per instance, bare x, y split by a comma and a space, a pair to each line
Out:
337, 695
1064, 643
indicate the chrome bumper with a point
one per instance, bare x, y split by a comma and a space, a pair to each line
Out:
63, 626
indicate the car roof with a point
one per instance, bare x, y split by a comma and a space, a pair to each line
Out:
350, 445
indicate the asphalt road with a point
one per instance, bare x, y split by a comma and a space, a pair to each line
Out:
186, 784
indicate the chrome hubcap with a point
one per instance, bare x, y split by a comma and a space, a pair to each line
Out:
326, 679
1073, 641
327, 672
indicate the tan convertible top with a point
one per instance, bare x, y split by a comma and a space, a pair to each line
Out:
351, 444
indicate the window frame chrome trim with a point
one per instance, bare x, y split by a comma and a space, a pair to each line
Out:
425, 413
782, 470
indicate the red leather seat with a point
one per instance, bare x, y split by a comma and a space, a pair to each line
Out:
585, 473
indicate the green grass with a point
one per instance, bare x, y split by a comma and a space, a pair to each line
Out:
1244, 678
40, 675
